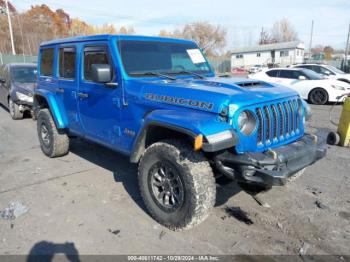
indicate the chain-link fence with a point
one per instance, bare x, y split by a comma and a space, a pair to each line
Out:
6, 59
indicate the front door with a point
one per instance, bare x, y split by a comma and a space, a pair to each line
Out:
99, 105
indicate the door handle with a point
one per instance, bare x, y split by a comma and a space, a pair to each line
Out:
60, 90
83, 95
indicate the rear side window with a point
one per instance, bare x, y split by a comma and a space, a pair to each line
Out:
286, 74
272, 73
94, 55
46, 63
67, 62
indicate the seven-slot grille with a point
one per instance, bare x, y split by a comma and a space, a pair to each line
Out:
277, 121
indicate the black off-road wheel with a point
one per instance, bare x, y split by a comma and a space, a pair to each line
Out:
176, 184
53, 142
15, 113
318, 96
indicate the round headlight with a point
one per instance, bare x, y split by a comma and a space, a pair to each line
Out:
246, 122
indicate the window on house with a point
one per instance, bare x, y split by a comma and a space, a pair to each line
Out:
258, 54
239, 56
284, 53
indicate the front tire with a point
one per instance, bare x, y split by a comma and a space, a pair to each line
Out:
53, 142
318, 96
176, 184
15, 113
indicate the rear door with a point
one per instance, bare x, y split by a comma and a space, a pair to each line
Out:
68, 84
99, 105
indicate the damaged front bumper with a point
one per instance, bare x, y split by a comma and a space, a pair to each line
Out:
273, 167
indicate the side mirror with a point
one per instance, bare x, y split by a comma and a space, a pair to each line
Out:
327, 73
2, 81
302, 78
101, 73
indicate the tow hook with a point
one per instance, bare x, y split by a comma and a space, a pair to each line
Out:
314, 139
272, 153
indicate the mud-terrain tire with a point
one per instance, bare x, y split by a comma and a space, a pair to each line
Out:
53, 142
194, 178
15, 113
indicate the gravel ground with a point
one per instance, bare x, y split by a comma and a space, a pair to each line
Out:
88, 203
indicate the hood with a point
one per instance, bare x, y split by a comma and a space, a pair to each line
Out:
329, 82
212, 93
26, 88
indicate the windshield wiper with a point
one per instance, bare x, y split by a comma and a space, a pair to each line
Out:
190, 73
150, 73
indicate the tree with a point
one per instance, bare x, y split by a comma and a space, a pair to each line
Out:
210, 38
283, 31
79, 27
328, 52
265, 37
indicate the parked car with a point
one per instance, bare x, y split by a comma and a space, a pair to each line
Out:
310, 85
327, 71
17, 82
255, 69
158, 101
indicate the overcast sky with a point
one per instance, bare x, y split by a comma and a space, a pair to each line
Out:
243, 19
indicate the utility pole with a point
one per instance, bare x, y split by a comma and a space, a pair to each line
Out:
10, 26
311, 35
347, 50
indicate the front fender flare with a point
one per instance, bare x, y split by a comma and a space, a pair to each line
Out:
56, 107
188, 123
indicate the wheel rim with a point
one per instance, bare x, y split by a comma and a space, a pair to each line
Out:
319, 97
11, 107
166, 186
45, 135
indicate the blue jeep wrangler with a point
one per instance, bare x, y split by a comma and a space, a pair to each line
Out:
158, 101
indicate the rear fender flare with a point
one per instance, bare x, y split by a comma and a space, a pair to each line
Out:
56, 107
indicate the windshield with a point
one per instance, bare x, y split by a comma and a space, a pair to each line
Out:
142, 57
312, 75
23, 74
334, 69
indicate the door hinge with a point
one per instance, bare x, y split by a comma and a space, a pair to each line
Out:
117, 130
116, 102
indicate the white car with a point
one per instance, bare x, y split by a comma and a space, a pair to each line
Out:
327, 71
256, 69
310, 85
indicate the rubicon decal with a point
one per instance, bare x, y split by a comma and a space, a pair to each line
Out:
180, 101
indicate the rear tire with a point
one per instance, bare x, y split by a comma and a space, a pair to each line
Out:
318, 96
15, 113
176, 184
53, 142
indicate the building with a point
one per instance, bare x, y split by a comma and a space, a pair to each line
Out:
281, 54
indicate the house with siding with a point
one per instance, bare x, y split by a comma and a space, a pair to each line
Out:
281, 54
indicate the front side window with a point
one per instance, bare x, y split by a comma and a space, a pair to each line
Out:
142, 57
286, 74
23, 75
67, 62
94, 55
46, 63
